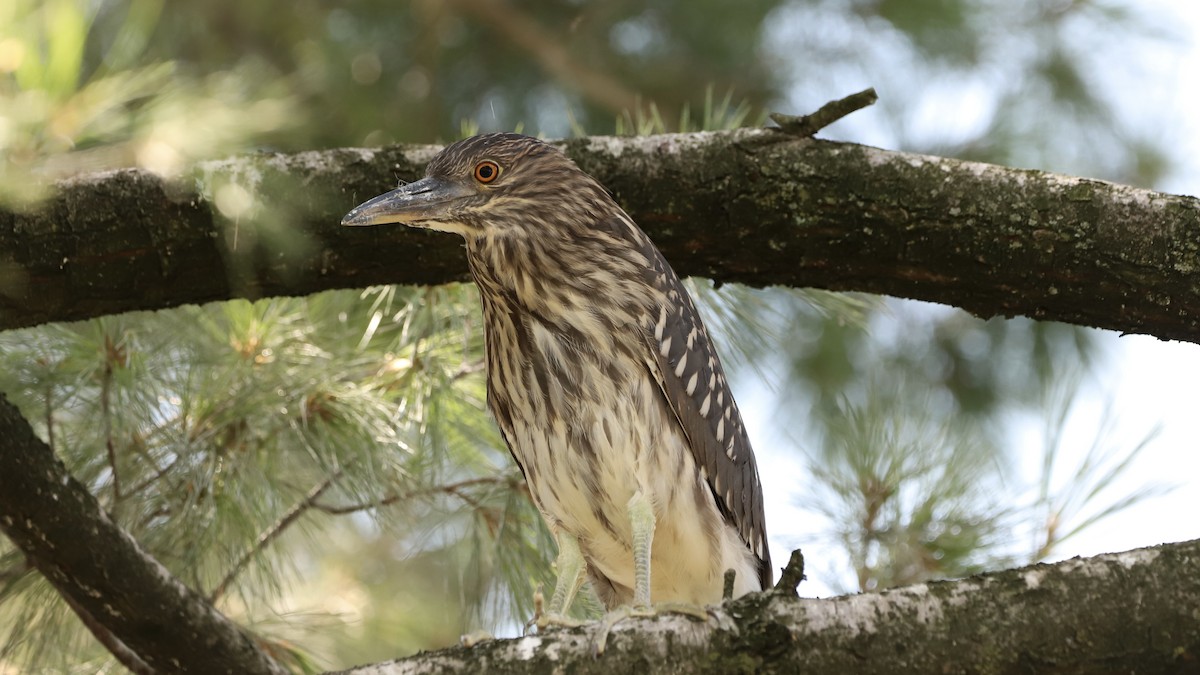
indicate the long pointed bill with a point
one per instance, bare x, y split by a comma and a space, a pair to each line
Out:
426, 199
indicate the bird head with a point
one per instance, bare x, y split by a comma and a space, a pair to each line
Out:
493, 184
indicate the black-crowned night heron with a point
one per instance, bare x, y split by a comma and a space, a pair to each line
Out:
601, 376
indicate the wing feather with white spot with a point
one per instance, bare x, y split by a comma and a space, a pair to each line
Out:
691, 377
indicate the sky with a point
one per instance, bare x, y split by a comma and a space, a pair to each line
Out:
1152, 382
1147, 383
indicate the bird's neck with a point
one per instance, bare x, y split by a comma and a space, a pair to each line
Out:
595, 284
520, 271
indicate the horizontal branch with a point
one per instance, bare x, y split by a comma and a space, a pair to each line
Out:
1123, 612
753, 206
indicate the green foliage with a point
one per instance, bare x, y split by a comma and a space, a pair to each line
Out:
714, 115
200, 428
912, 497
911, 440
65, 110
1067, 505
87, 85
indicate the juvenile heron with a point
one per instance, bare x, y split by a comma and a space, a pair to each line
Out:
600, 374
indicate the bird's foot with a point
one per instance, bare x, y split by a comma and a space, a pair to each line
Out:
543, 619
600, 641
471, 639
551, 620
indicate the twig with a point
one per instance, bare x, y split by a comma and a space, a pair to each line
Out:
730, 577
793, 574
144, 521
158, 474
270, 534
467, 368
106, 413
310, 502
807, 125
452, 489
50, 416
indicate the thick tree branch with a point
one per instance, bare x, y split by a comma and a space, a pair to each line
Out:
751, 206
1123, 612
103, 572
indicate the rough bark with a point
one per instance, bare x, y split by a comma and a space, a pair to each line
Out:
751, 206
1133, 612
117, 588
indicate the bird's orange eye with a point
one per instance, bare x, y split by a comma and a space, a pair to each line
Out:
487, 171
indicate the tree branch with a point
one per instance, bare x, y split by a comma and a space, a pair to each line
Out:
1075, 616
455, 489
751, 206
62, 530
272, 533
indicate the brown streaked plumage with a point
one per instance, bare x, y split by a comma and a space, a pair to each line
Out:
601, 376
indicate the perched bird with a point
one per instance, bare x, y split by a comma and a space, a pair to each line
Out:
600, 374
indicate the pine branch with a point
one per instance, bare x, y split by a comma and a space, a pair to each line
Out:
110, 449
456, 489
310, 502
272, 533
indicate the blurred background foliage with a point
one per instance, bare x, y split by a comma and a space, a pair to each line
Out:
324, 468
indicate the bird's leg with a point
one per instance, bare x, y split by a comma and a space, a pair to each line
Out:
570, 574
642, 522
570, 566
641, 519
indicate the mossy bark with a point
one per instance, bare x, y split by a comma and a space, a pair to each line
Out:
751, 206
